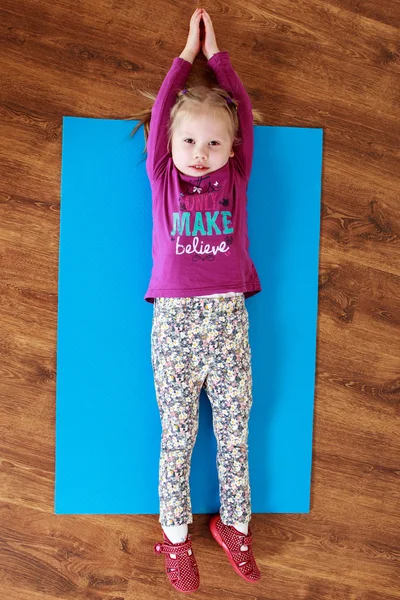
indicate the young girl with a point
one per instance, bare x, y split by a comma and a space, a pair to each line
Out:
200, 147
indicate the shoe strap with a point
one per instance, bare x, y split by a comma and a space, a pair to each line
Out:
173, 548
242, 539
242, 556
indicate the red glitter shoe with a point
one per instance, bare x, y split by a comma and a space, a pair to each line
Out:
181, 571
231, 540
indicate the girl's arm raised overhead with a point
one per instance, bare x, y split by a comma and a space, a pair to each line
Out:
157, 142
229, 80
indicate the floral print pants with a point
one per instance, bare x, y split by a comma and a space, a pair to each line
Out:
202, 342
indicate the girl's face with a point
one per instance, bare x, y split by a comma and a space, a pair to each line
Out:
204, 141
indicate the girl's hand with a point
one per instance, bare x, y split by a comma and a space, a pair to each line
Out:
209, 44
193, 44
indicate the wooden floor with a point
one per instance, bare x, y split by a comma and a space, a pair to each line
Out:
333, 64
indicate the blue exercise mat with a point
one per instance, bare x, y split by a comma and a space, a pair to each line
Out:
108, 428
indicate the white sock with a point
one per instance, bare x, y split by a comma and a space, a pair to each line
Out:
244, 528
177, 534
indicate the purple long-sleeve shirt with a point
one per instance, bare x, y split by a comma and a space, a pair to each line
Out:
200, 233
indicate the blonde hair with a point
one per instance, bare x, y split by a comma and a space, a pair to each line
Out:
193, 101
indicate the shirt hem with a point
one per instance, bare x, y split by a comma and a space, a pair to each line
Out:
190, 292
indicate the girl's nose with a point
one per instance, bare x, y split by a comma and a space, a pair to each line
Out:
200, 152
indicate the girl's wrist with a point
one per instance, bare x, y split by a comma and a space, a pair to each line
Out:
187, 55
215, 51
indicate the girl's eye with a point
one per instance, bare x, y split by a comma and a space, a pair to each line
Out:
190, 139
